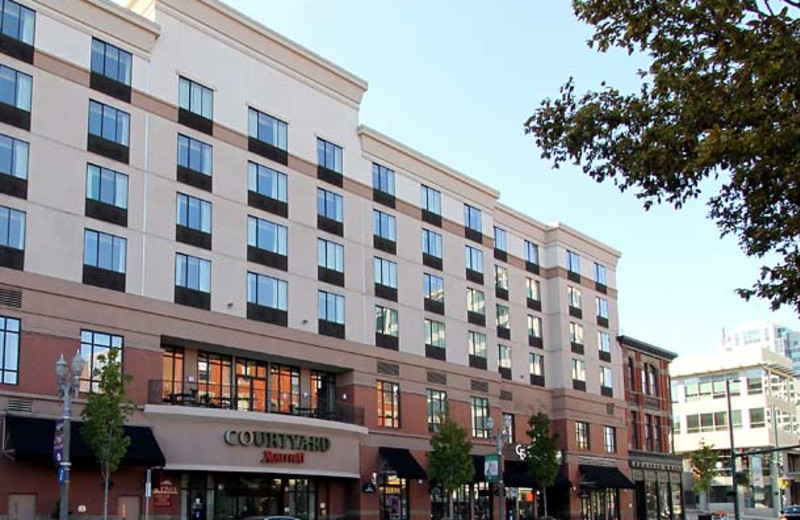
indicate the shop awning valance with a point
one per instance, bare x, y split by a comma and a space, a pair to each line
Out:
515, 474
402, 462
31, 439
603, 477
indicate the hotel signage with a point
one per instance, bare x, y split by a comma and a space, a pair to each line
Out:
300, 444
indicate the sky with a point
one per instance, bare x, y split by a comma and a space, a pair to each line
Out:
456, 80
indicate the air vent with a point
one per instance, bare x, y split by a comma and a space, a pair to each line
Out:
16, 404
505, 395
11, 298
479, 386
610, 408
389, 369
437, 378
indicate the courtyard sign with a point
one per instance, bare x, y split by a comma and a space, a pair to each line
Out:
278, 441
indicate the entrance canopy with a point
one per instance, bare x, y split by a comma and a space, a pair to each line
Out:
402, 462
603, 477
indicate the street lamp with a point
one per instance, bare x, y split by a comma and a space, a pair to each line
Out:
67, 384
736, 512
500, 437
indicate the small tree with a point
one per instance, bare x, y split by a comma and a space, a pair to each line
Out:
106, 412
540, 454
704, 468
449, 461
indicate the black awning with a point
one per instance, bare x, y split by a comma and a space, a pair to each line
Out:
603, 477
402, 462
32, 440
477, 463
515, 474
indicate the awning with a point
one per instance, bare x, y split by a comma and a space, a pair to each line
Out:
603, 477
402, 462
477, 463
31, 439
515, 474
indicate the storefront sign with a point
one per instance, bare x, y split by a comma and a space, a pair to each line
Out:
491, 467
280, 441
521, 450
162, 495
275, 457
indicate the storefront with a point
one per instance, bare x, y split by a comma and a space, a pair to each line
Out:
397, 468
658, 493
474, 501
599, 492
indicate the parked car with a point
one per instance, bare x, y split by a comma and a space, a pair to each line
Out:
791, 513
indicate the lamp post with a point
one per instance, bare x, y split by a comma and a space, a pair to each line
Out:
68, 380
736, 512
499, 438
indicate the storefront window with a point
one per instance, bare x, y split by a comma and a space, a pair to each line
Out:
251, 385
651, 499
677, 506
663, 501
393, 498
482, 499
323, 393
284, 389
172, 371
214, 379
237, 496
600, 504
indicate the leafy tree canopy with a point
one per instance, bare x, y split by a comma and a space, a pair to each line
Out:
540, 454
704, 467
720, 100
450, 461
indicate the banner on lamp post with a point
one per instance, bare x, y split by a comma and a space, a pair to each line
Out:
491, 467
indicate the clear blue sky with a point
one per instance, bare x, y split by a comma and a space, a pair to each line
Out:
456, 79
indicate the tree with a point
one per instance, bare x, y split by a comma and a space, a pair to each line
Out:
106, 412
541, 453
717, 110
704, 468
449, 461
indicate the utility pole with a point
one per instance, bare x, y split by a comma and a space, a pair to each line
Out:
776, 490
736, 513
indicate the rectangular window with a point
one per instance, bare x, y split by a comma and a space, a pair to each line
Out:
573, 262
706, 424
508, 427
267, 182
434, 334
431, 243
107, 186
637, 440
194, 213
533, 289
384, 225
194, 155
195, 98
503, 317
576, 333
757, 418
534, 326
192, 273
385, 272
15, 88
329, 155
111, 61
531, 253
329, 205
755, 382
109, 123
284, 388
578, 370
600, 274
474, 258
437, 407
692, 423
504, 357
267, 129
582, 435
17, 21
388, 404
331, 307
602, 308
266, 235
604, 342
266, 291
386, 321
610, 439
475, 301
500, 239
605, 378
95, 345
501, 277
431, 200
676, 425
9, 350
477, 344
12, 228
574, 297
382, 179
13, 157
433, 287
330, 255
472, 218
536, 364
104, 251
480, 416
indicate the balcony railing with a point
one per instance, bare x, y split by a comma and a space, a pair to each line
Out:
182, 393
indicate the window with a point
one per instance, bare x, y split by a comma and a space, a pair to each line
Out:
386, 321
107, 186
109, 123
706, 424
508, 427
431, 200
94, 345
267, 129
757, 418
192, 273
676, 425
111, 61
631, 376
194, 213
582, 435
504, 357
431, 243
15, 88
267, 182
500, 239
433, 287
9, 350
284, 388
331, 307
754, 382
531, 253
12, 228
576, 333
604, 342
605, 378
382, 179
104, 251
474, 259
574, 297
480, 416
13, 157
573, 262
388, 404
610, 439
500, 277
477, 344
534, 326
266, 291
384, 225
652, 380
194, 155
637, 441
533, 289
266, 235
330, 255
578, 370
434, 333
502, 317
17, 21
535, 365
385, 272
195, 98
475, 301
437, 407
329, 155
329, 205
600, 274
472, 218
602, 308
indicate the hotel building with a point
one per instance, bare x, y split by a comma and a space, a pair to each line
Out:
296, 296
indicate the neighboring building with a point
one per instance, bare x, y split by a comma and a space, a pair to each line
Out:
763, 416
655, 469
179, 181
766, 334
